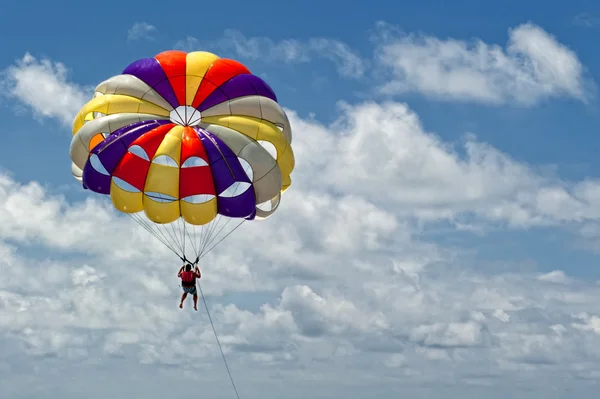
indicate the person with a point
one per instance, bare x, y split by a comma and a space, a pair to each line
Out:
188, 283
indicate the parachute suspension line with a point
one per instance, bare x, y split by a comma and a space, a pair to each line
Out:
218, 342
179, 232
214, 237
214, 228
203, 232
226, 235
175, 233
175, 240
155, 232
201, 246
164, 231
165, 242
183, 231
149, 229
199, 237
192, 235
193, 242
172, 239
211, 230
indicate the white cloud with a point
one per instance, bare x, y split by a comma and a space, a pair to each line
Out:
348, 62
141, 30
43, 88
586, 19
312, 331
555, 276
382, 153
533, 66
337, 291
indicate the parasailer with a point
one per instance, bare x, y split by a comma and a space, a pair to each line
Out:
188, 283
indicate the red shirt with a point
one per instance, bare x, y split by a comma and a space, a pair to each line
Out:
188, 279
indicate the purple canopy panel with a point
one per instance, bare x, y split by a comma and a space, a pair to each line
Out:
238, 86
150, 72
235, 87
240, 206
214, 146
124, 129
94, 180
262, 87
109, 157
127, 135
130, 136
226, 170
214, 98
118, 133
110, 153
219, 153
165, 89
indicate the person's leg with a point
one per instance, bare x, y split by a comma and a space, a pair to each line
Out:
195, 301
183, 296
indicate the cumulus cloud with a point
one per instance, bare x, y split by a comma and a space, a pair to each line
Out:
42, 86
533, 66
420, 327
348, 62
141, 30
586, 20
381, 152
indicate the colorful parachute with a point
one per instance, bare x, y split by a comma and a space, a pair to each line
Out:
185, 143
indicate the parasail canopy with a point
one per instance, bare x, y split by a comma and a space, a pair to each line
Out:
190, 145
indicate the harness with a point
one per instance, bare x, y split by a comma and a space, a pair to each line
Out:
188, 279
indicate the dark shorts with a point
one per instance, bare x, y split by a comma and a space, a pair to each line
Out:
190, 290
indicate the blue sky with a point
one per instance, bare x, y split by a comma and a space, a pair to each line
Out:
442, 229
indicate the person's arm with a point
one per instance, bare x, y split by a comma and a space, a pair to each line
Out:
198, 274
179, 272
